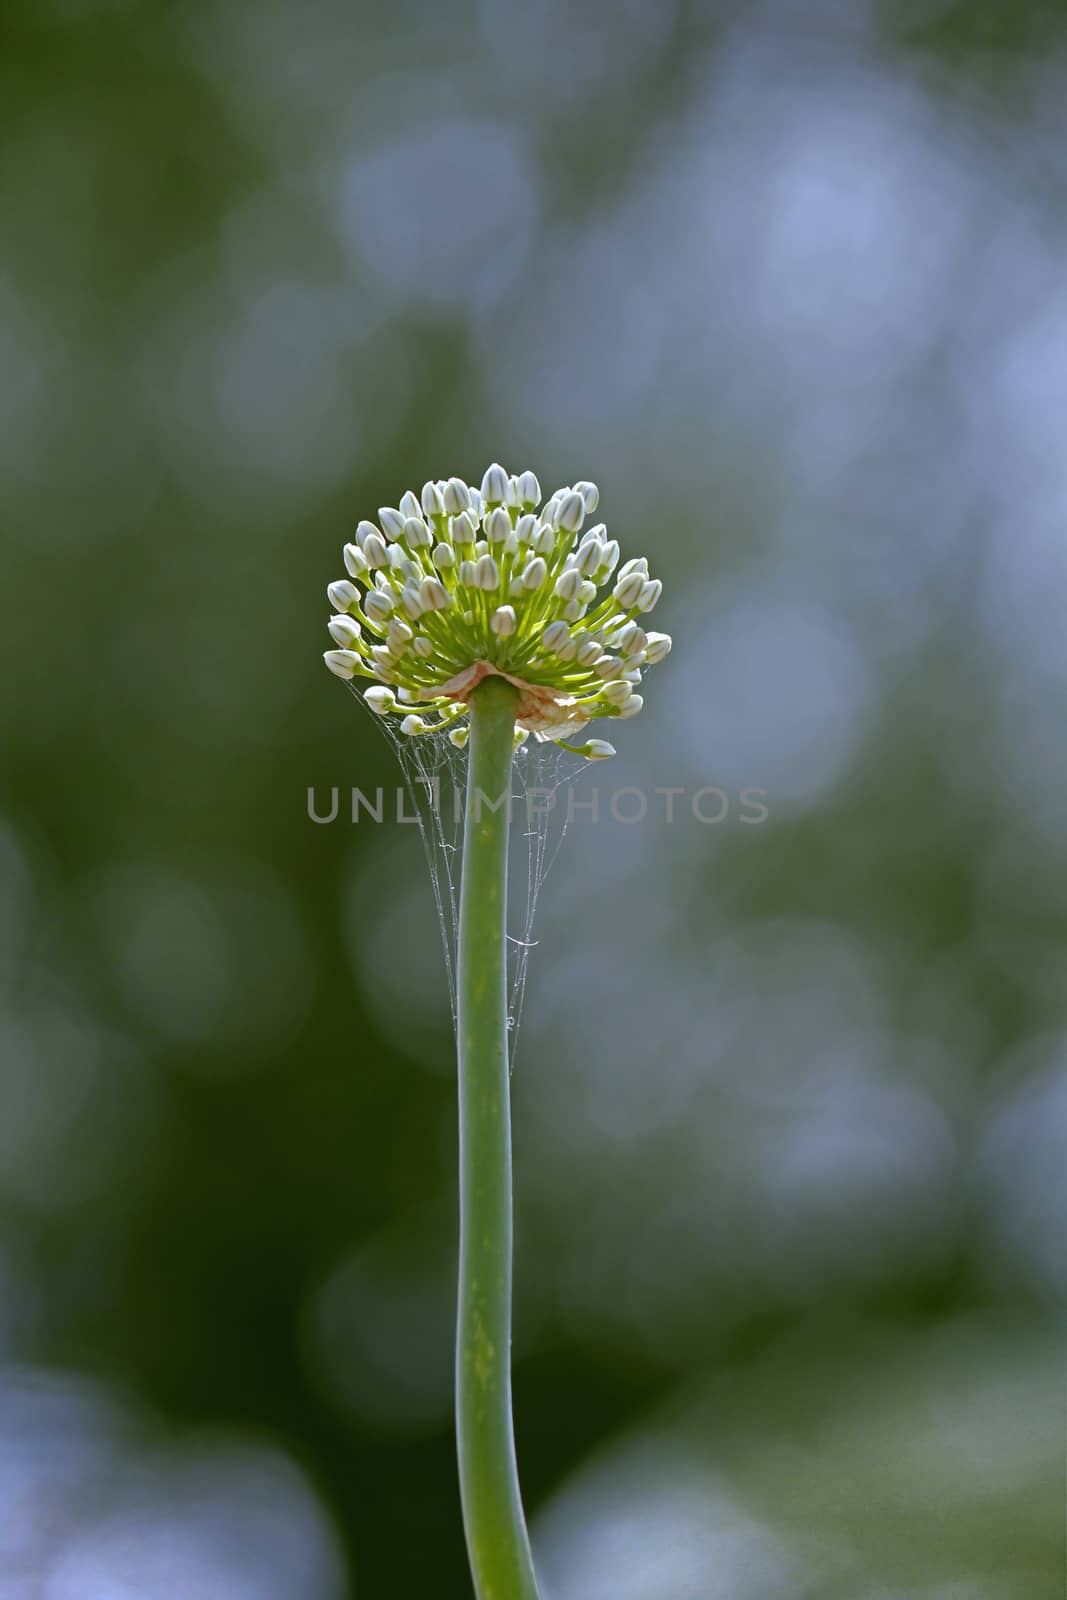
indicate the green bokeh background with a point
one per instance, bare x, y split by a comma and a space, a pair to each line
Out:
790, 1099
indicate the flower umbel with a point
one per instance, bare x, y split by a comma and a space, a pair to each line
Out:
458, 584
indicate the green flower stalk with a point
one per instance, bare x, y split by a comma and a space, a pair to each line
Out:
482, 620
497, 1542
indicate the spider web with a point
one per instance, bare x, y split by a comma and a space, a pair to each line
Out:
435, 777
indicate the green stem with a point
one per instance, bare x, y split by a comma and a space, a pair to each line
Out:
497, 1541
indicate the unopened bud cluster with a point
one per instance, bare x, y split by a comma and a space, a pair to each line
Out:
458, 583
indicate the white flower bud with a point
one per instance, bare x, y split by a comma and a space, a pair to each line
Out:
345, 631
498, 525
412, 602
355, 561
529, 489
573, 610
431, 500
637, 564
416, 534
650, 593
589, 650
422, 646
597, 749
535, 574
526, 528
568, 650
503, 621
398, 558
459, 736
513, 499
434, 595
374, 548
627, 591
657, 647
468, 574
380, 700
544, 543
631, 707
590, 496
487, 573
618, 691
571, 512
568, 583
586, 592
378, 605
443, 556
590, 557
391, 520
342, 595
611, 555
410, 506
363, 531
398, 635
412, 725
457, 497
555, 636
463, 529
342, 663
495, 486
606, 666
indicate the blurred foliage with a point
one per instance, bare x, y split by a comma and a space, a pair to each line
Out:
790, 1098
